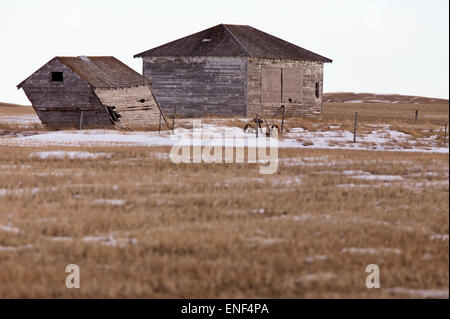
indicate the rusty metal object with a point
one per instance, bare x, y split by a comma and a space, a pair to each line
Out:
270, 128
249, 128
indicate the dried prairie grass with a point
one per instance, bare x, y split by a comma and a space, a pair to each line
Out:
216, 230
15, 109
386, 113
141, 226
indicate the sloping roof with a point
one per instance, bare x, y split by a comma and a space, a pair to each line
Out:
103, 71
234, 41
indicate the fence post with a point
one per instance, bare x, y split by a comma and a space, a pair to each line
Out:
417, 115
81, 120
445, 134
354, 130
257, 125
160, 114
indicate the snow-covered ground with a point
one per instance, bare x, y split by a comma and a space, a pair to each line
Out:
381, 138
22, 120
372, 101
69, 155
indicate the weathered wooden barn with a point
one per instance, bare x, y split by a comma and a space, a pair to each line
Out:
235, 70
91, 92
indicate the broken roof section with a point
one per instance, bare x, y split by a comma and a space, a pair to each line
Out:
103, 72
234, 41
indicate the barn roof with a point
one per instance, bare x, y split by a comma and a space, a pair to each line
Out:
103, 71
234, 41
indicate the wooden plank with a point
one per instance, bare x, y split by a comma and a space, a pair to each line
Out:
198, 86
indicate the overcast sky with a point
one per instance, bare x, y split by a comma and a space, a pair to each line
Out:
379, 46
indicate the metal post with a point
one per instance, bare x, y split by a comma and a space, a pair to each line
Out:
81, 120
445, 134
417, 115
354, 130
282, 119
159, 130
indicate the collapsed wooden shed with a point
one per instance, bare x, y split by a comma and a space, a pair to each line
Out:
235, 70
91, 92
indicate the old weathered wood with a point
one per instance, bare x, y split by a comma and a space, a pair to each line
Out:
60, 103
198, 85
235, 86
77, 103
299, 79
235, 70
354, 129
136, 105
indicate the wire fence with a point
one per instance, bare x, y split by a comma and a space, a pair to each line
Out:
418, 125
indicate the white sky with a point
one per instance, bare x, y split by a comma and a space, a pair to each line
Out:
379, 46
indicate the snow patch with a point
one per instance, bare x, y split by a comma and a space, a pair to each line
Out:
60, 238
379, 177
112, 202
111, 240
70, 155
15, 248
10, 229
313, 258
442, 237
381, 138
265, 241
371, 251
421, 293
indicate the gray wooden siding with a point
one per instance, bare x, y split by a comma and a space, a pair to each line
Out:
71, 118
61, 103
198, 86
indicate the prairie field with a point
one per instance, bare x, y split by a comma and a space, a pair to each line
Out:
140, 226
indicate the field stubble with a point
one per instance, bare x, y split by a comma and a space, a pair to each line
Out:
140, 226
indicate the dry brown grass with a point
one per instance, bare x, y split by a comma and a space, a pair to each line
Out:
386, 113
216, 230
373, 98
15, 109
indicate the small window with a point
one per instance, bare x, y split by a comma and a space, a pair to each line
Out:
57, 77
317, 89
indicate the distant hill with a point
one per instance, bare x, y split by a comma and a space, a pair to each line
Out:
12, 105
15, 109
348, 97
